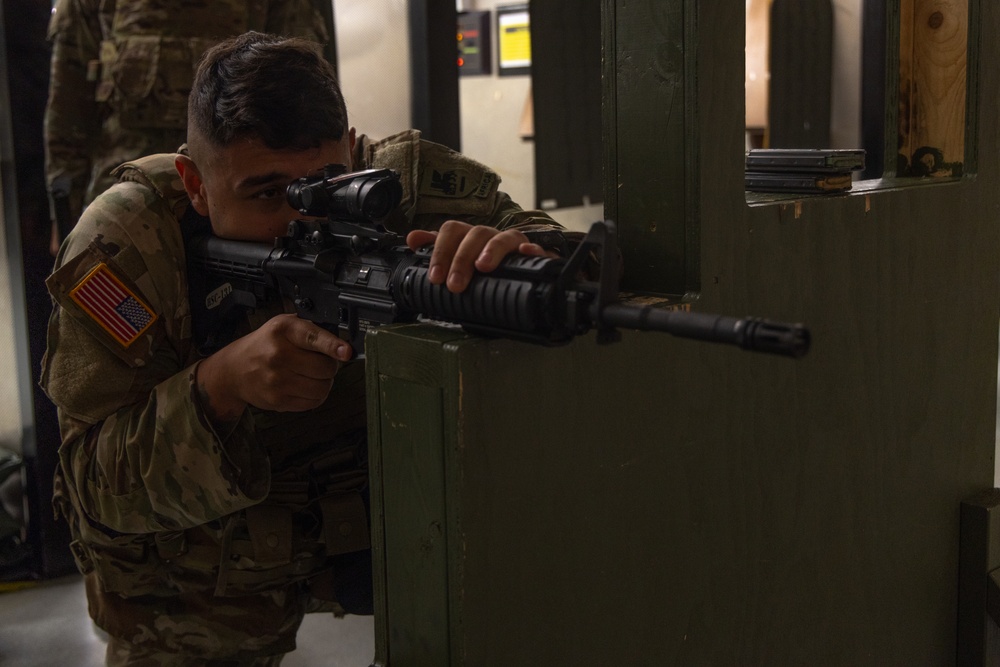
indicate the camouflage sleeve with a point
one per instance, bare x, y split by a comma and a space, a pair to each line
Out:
72, 117
505, 214
158, 465
508, 215
536, 225
440, 184
138, 451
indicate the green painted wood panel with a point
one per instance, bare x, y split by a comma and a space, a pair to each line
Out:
411, 416
413, 467
665, 502
651, 160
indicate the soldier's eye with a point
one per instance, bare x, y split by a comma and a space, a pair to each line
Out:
269, 193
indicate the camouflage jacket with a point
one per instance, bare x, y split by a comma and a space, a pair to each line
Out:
121, 73
170, 517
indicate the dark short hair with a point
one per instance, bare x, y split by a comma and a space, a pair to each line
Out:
279, 90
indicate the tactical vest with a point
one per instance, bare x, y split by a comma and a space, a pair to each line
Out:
150, 50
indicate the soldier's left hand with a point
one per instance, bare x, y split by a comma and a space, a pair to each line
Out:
460, 249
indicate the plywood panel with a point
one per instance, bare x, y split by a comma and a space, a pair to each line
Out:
647, 83
665, 502
933, 73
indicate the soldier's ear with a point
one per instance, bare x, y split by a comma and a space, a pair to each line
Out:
193, 183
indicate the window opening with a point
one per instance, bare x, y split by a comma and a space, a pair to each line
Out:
889, 77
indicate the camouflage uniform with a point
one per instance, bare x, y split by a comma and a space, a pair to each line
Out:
121, 73
196, 542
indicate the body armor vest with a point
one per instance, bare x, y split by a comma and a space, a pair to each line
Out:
150, 50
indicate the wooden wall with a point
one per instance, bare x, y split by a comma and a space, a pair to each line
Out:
823, 494
933, 71
667, 502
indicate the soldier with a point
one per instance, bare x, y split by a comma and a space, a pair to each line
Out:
121, 72
215, 500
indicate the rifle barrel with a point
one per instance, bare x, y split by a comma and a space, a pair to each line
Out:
748, 333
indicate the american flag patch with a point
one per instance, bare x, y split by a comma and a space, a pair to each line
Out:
112, 305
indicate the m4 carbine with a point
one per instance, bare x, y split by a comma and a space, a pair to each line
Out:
349, 274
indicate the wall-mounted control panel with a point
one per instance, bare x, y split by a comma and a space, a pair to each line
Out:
474, 47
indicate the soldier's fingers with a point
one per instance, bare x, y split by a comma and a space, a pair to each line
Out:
308, 390
450, 237
535, 250
302, 394
312, 365
418, 238
499, 247
477, 241
308, 336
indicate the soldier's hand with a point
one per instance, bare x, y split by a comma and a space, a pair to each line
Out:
460, 249
288, 364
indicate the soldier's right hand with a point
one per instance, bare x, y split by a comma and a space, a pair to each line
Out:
288, 365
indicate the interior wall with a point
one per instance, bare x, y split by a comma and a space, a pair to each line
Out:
845, 116
373, 52
373, 49
491, 110
492, 107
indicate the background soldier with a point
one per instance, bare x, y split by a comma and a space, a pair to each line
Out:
121, 73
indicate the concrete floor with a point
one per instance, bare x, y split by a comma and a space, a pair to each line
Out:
47, 626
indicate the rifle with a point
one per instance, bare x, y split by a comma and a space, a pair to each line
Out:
348, 274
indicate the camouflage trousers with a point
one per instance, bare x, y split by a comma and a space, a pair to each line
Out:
123, 654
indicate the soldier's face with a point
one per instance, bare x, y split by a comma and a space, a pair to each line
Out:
242, 188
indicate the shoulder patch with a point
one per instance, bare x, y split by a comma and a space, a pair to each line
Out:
453, 184
457, 183
101, 298
112, 305
436, 179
